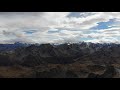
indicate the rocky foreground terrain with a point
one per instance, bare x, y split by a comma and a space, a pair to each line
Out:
76, 60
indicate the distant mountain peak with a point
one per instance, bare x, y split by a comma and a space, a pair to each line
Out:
18, 43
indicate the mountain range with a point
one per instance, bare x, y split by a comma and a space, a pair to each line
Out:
68, 60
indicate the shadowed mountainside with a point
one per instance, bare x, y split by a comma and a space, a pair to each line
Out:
77, 60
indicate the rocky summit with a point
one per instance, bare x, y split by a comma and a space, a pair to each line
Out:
68, 60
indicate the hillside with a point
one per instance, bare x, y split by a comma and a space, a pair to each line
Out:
76, 60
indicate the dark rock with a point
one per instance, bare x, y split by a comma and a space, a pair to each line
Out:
109, 73
71, 74
52, 73
92, 75
96, 68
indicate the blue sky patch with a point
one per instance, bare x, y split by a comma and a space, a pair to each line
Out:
104, 25
74, 14
85, 39
53, 31
30, 31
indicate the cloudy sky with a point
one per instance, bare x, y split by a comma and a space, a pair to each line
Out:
59, 27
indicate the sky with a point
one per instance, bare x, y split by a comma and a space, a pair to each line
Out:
59, 27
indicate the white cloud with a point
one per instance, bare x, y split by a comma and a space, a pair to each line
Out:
63, 28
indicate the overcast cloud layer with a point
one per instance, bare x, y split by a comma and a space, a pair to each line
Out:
59, 27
